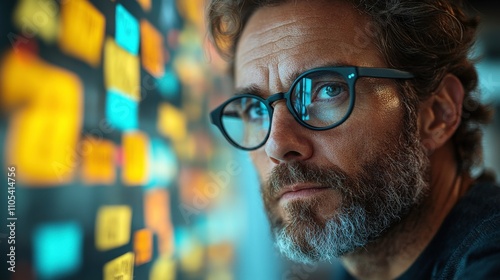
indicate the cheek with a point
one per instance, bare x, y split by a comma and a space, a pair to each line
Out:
374, 124
262, 163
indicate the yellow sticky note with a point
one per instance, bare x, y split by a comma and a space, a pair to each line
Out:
121, 69
44, 105
163, 269
186, 149
82, 31
152, 49
112, 226
120, 268
171, 122
135, 158
37, 17
192, 260
98, 161
143, 246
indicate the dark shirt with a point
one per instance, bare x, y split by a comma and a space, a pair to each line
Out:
467, 245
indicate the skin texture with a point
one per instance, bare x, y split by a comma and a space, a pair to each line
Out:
281, 41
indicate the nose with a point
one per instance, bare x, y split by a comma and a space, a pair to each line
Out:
288, 140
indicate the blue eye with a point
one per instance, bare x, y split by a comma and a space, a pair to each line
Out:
256, 111
330, 90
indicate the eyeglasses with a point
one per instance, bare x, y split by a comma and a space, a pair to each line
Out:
319, 99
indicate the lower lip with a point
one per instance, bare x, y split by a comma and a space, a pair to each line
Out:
305, 193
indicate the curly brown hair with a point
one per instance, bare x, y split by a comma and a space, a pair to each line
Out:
428, 38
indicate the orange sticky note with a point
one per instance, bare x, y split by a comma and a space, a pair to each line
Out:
145, 4
120, 268
98, 161
121, 69
191, 10
221, 254
157, 218
135, 158
152, 49
171, 122
82, 31
112, 227
45, 114
143, 246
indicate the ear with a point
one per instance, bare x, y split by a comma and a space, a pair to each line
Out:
440, 115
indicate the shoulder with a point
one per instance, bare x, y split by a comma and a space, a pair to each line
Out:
477, 252
467, 245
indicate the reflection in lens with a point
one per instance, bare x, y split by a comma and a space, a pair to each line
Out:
303, 92
321, 98
246, 121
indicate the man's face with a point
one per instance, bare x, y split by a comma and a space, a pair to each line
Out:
327, 193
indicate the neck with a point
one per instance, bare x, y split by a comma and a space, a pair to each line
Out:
393, 254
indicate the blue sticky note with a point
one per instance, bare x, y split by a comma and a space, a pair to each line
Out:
121, 110
163, 166
169, 85
57, 249
127, 30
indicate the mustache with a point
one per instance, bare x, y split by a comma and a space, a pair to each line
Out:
286, 174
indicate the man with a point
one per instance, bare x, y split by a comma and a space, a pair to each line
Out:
360, 120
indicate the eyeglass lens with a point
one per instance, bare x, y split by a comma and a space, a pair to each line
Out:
319, 99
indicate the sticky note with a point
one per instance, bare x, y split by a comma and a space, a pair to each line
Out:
122, 111
191, 181
152, 49
192, 260
112, 226
191, 10
37, 18
221, 253
145, 4
127, 30
163, 268
57, 249
143, 246
168, 85
189, 69
190, 250
163, 164
135, 158
44, 127
157, 218
121, 69
98, 161
172, 122
120, 268
82, 31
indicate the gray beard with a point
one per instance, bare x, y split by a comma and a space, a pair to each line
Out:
374, 201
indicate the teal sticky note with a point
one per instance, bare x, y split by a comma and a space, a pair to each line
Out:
127, 30
169, 85
164, 167
57, 249
121, 110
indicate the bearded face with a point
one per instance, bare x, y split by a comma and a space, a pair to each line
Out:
360, 207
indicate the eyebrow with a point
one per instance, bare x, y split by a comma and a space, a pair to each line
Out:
254, 89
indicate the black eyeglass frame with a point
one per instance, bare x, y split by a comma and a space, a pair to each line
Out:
349, 73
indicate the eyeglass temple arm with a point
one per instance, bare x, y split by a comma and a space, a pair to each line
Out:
384, 73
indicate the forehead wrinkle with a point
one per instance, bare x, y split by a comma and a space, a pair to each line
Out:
267, 58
